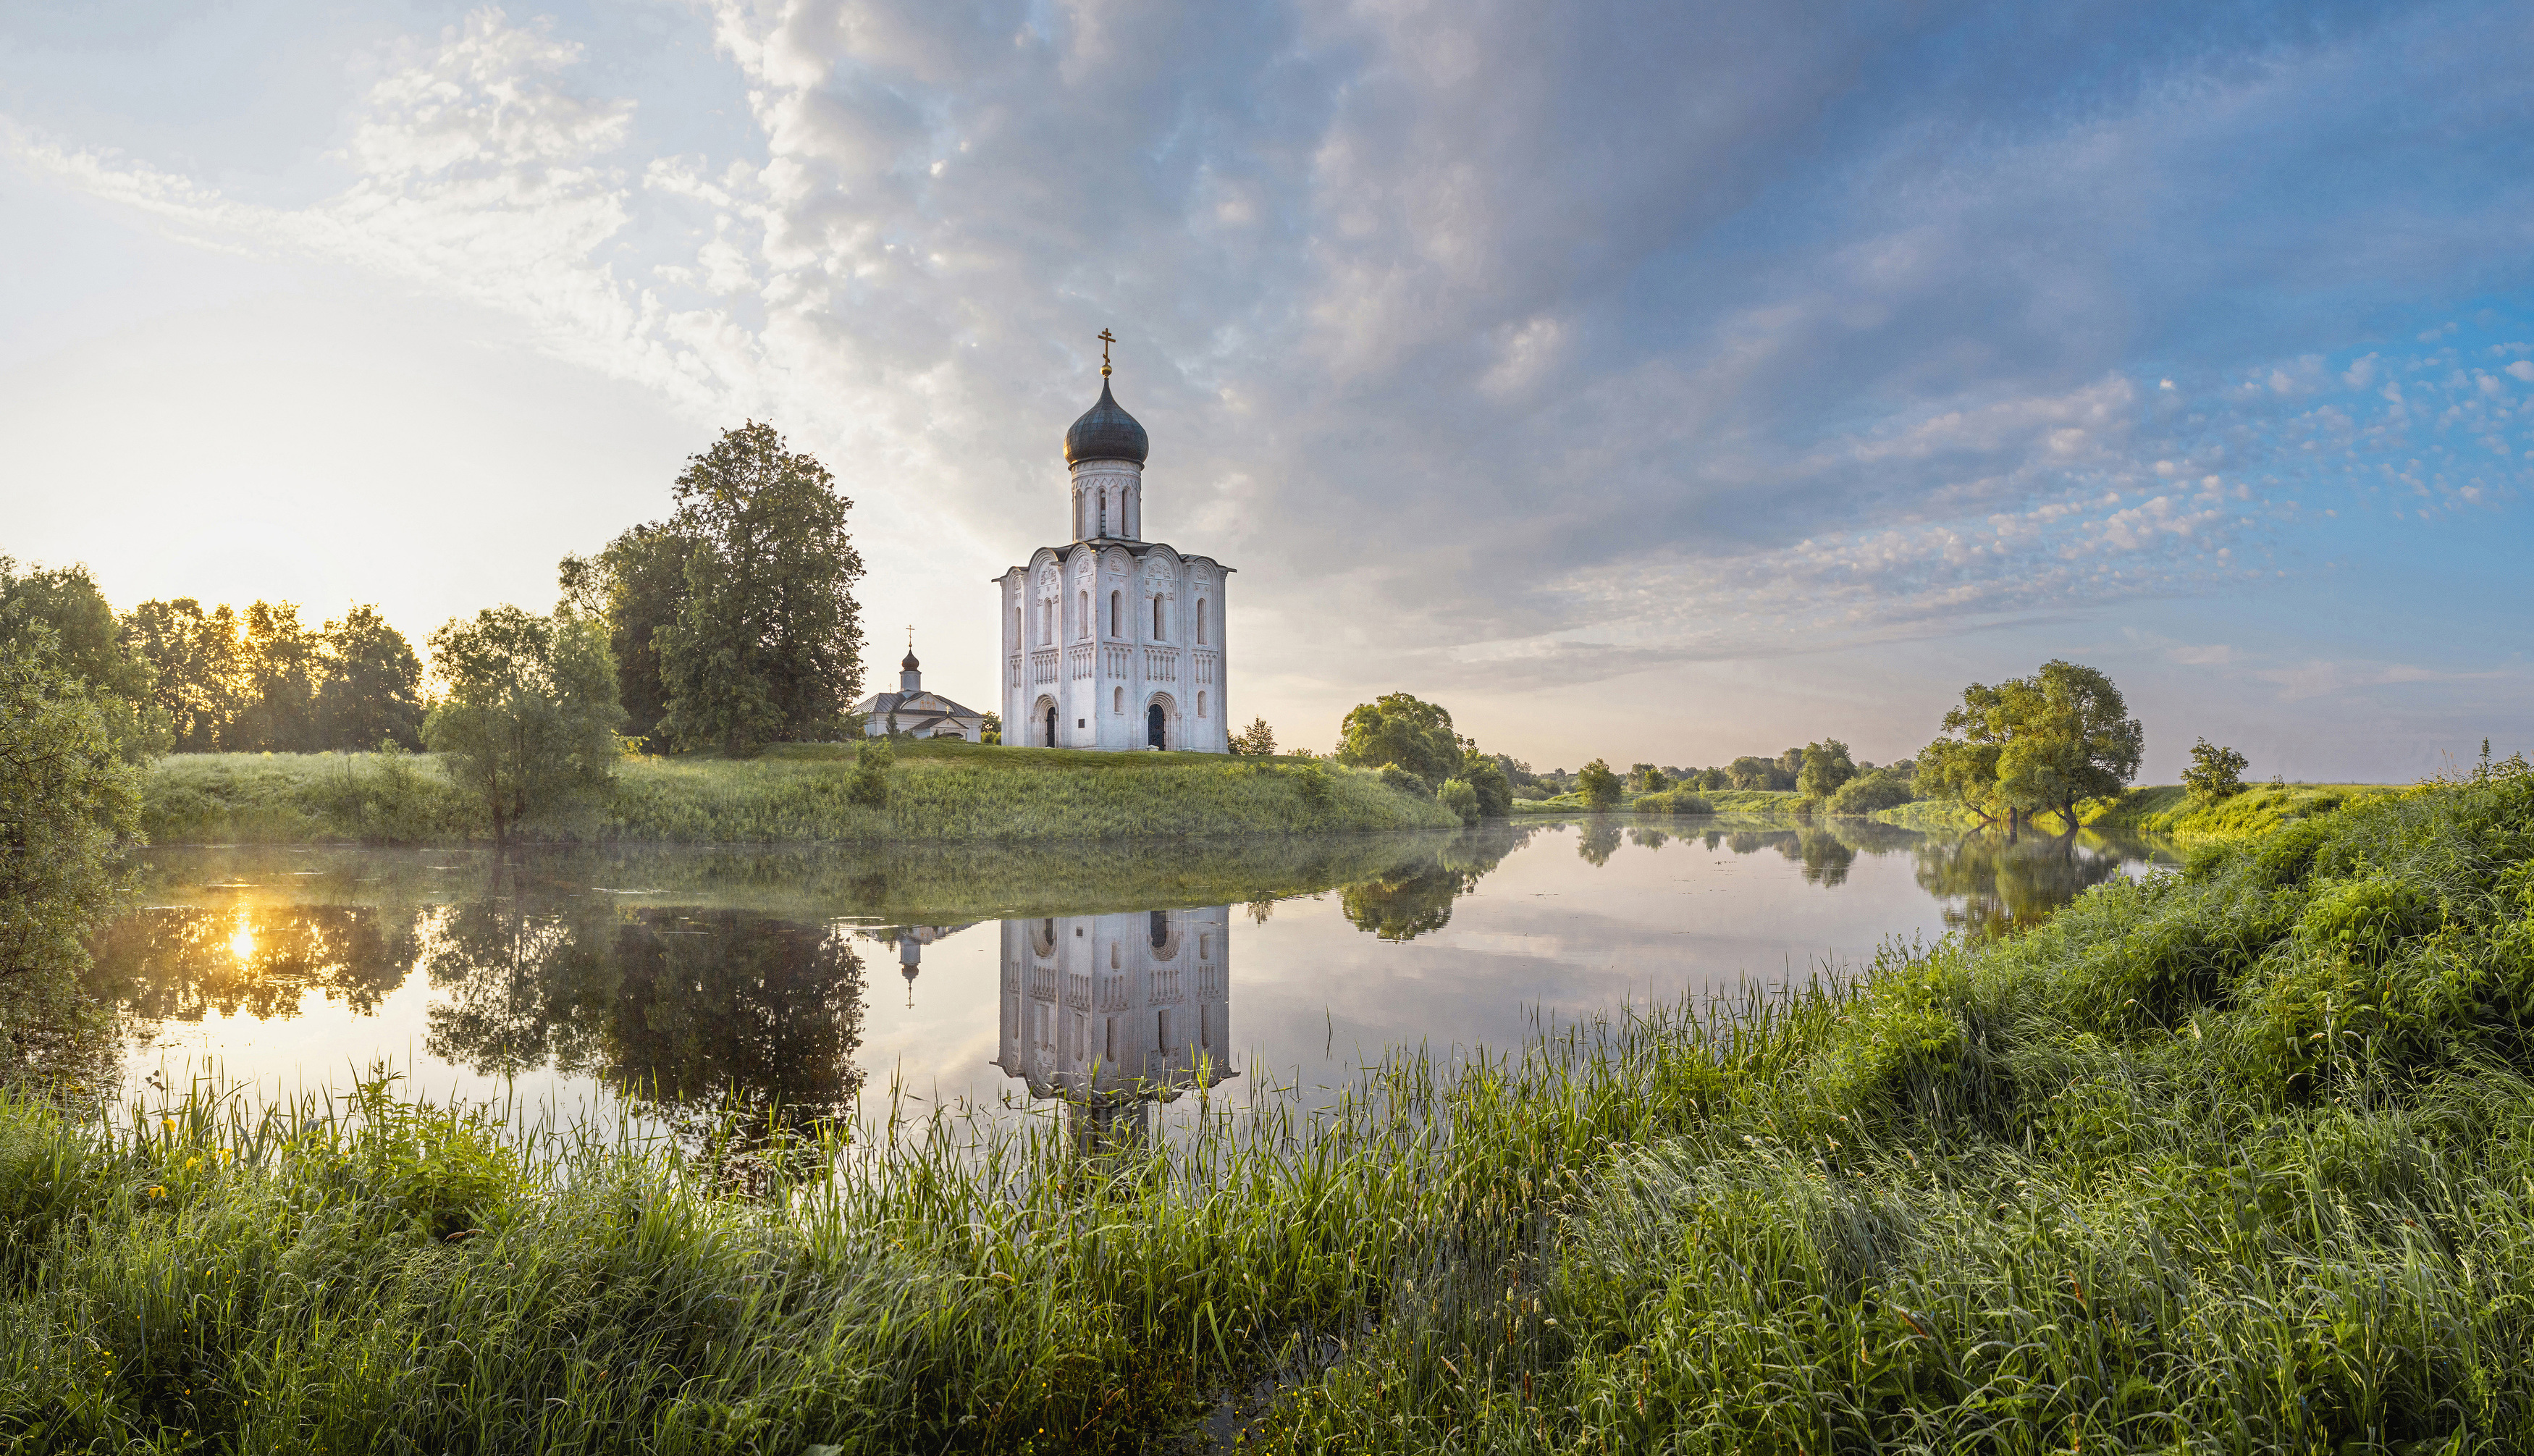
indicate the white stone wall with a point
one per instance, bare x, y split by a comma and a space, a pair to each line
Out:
1108, 666
1108, 501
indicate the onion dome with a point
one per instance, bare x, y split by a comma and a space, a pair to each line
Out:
1106, 433
910, 664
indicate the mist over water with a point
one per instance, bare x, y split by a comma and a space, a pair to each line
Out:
824, 984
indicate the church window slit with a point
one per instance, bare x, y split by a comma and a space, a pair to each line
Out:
1200, 626
1157, 618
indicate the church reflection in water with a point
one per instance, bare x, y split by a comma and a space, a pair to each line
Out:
1112, 1013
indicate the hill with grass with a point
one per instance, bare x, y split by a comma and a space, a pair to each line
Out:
795, 794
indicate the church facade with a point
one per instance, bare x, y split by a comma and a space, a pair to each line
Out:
1112, 642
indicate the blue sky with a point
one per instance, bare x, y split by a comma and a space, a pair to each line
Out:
1654, 382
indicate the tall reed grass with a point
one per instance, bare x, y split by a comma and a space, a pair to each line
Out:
2234, 1159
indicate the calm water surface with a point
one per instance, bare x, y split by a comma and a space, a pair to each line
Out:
825, 982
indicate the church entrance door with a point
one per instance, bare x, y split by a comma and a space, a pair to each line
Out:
1153, 724
1051, 725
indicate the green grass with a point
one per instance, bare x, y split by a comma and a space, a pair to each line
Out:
2167, 809
2235, 1159
938, 791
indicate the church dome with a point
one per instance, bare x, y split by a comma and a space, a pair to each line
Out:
909, 664
1106, 433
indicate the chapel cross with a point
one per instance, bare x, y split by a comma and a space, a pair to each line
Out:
1105, 338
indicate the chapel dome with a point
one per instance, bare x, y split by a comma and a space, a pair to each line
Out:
1106, 433
909, 664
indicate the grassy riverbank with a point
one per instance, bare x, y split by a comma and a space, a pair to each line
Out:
2233, 1159
938, 791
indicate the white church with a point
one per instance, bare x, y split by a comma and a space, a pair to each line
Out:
1112, 642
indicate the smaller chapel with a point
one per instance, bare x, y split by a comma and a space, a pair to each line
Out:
916, 713
1112, 642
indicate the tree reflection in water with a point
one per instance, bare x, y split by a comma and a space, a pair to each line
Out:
697, 1015
1993, 883
164, 964
1415, 895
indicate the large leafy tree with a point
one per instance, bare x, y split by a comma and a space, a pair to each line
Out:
1398, 728
767, 645
70, 806
2052, 741
638, 586
369, 690
527, 727
58, 613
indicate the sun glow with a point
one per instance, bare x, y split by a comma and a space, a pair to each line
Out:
242, 938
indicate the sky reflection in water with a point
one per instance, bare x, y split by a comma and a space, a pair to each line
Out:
814, 979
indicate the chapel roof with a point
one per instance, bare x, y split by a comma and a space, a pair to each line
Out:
1106, 433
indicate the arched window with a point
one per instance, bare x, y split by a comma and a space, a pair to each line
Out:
1200, 626
1157, 617
1117, 703
1112, 955
1082, 615
1200, 704
1117, 614
1017, 640
1161, 929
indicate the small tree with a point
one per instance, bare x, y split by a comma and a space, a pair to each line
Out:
1400, 729
527, 727
1598, 785
1457, 796
991, 729
1258, 741
1826, 766
2214, 773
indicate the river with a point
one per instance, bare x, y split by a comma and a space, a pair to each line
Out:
837, 982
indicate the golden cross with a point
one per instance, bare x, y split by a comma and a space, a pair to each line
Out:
1105, 338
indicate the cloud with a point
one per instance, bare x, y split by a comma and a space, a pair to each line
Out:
1559, 343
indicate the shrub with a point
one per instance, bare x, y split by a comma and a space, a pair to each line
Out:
867, 784
1673, 801
1394, 776
1874, 792
1457, 796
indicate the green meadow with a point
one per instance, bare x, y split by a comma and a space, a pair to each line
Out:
2230, 1159
948, 791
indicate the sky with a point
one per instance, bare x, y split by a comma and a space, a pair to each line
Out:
1653, 382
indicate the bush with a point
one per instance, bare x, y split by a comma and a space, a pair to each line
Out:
1396, 778
867, 784
1673, 801
1876, 791
1457, 796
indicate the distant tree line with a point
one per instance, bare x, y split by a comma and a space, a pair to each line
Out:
176, 677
